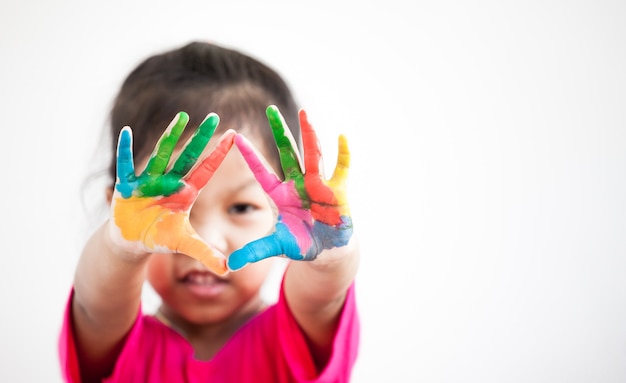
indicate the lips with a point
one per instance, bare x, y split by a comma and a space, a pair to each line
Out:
204, 284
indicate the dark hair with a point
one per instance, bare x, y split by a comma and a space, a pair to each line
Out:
199, 78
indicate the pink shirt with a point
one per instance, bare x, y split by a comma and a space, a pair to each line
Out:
269, 348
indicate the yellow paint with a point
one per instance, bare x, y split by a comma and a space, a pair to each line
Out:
144, 220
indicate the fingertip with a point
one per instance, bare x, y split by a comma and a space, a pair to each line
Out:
235, 263
228, 137
178, 123
273, 115
303, 115
182, 117
126, 131
343, 143
125, 138
209, 124
271, 109
215, 261
222, 272
241, 140
211, 118
238, 139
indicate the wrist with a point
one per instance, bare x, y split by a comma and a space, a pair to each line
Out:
116, 244
337, 257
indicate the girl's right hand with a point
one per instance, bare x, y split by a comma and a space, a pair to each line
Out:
150, 212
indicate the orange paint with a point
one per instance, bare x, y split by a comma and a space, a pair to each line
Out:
157, 224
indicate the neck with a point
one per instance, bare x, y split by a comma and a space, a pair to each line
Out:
208, 338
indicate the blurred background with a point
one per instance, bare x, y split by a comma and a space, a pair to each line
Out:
488, 177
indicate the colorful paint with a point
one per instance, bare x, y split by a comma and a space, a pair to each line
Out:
152, 209
313, 212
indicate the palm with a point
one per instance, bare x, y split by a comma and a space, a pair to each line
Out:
313, 213
151, 211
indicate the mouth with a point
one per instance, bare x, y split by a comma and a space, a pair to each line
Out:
204, 284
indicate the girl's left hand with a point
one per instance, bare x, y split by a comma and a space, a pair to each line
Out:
313, 213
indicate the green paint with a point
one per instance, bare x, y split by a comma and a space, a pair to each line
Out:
153, 182
165, 147
288, 155
196, 146
154, 186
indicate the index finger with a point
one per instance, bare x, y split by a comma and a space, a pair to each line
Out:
268, 180
203, 173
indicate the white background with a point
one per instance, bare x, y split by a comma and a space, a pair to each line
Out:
488, 183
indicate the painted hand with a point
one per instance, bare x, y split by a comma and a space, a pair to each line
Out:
150, 212
313, 212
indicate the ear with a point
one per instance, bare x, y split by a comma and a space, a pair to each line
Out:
108, 193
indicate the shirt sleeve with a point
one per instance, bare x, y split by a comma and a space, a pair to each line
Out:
67, 346
345, 344
68, 354
272, 348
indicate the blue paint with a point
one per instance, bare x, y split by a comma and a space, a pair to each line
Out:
327, 237
126, 180
283, 242
278, 243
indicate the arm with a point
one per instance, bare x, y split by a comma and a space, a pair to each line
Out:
317, 309
314, 224
107, 294
149, 213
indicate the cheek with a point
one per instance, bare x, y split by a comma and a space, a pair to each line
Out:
159, 271
253, 275
258, 226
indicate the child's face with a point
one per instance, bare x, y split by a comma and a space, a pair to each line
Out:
231, 211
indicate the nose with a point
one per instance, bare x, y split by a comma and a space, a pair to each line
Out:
215, 235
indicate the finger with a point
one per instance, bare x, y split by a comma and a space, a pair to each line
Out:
177, 234
196, 248
268, 180
194, 148
125, 162
343, 161
329, 199
289, 157
164, 148
278, 243
323, 202
203, 173
310, 144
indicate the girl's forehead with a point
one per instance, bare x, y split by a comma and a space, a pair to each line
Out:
260, 143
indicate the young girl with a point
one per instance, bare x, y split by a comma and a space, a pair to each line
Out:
204, 226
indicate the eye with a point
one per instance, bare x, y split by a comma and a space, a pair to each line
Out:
241, 208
